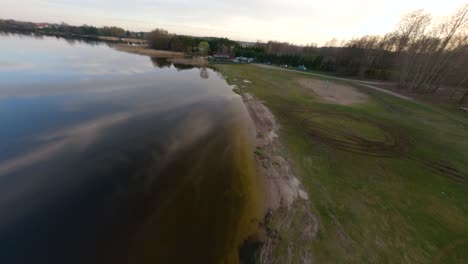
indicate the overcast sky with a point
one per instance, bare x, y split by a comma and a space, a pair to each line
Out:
296, 21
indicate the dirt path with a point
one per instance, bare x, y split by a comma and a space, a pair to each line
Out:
368, 84
362, 83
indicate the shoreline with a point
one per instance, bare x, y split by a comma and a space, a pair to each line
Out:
282, 187
171, 56
283, 192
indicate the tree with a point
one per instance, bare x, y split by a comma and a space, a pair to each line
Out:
410, 28
427, 63
175, 44
89, 30
204, 73
204, 47
159, 39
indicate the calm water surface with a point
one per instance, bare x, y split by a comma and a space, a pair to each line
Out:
110, 157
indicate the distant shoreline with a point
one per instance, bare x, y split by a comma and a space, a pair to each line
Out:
130, 45
171, 56
78, 36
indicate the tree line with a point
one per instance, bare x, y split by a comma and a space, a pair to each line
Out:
65, 29
163, 40
421, 56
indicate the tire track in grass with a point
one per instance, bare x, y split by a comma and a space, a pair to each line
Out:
390, 144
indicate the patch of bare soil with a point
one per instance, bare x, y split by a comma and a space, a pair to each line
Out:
333, 92
282, 189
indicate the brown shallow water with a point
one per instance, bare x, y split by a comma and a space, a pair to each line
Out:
109, 157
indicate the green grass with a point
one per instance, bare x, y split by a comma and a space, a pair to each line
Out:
399, 201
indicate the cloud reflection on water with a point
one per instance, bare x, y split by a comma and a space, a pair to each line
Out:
104, 137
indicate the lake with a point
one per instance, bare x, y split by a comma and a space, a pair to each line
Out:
111, 157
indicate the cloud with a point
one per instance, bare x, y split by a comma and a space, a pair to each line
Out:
298, 21
78, 136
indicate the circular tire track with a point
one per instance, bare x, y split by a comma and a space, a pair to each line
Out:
391, 144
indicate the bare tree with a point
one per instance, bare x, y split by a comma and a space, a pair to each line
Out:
410, 28
465, 95
452, 35
425, 63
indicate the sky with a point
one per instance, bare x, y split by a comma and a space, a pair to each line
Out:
294, 21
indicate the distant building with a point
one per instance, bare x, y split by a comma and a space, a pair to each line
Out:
221, 56
243, 60
224, 58
246, 44
41, 25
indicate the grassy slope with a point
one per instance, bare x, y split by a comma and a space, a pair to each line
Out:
375, 209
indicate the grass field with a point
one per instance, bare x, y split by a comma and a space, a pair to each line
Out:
388, 179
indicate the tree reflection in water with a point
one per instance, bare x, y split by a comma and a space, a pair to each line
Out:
204, 73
